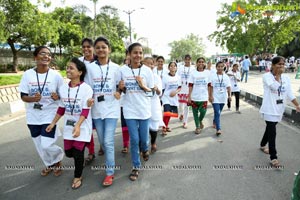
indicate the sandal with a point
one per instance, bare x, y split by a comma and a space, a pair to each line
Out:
153, 148
77, 182
46, 171
275, 163
100, 152
108, 180
57, 171
89, 159
265, 149
125, 150
218, 133
168, 129
201, 125
145, 155
134, 175
164, 131
198, 131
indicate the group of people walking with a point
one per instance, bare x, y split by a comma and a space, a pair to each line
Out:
142, 93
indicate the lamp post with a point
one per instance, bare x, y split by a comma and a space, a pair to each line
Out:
129, 12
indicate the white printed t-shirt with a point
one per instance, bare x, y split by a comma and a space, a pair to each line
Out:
79, 96
104, 79
184, 73
220, 84
272, 93
169, 84
200, 82
136, 105
29, 85
234, 83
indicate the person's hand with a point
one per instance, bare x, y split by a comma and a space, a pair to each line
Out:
139, 79
173, 94
117, 95
229, 98
211, 99
90, 102
189, 100
121, 85
37, 97
50, 127
298, 108
54, 96
76, 131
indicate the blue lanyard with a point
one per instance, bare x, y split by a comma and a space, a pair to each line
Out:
103, 81
72, 108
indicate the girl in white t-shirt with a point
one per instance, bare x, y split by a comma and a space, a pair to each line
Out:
277, 89
77, 118
198, 93
156, 116
87, 58
39, 89
171, 85
218, 94
137, 84
235, 77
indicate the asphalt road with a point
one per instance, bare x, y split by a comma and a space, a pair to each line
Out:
186, 166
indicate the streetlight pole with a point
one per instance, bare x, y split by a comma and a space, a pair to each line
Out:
129, 12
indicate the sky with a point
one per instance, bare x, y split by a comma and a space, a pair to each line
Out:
163, 22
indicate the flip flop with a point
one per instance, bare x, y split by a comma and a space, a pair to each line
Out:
265, 149
108, 180
134, 175
125, 150
77, 182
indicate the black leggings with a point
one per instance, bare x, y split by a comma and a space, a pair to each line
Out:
237, 100
78, 160
153, 135
270, 138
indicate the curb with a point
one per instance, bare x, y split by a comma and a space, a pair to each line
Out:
289, 111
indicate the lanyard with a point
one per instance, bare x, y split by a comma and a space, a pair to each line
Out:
103, 81
135, 76
220, 82
72, 108
234, 76
38, 81
160, 73
186, 74
280, 87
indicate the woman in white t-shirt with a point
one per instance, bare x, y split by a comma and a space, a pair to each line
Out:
87, 58
156, 116
77, 118
39, 89
277, 89
137, 84
198, 93
171, 85
218, 94
103, 76
235, 77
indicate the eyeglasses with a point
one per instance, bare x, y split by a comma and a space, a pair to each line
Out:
45, 54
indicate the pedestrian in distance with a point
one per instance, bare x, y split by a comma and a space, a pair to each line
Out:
219, 92
277, 90
235, 78
137, 84
39, 89
246, 63
74, 107
199, 82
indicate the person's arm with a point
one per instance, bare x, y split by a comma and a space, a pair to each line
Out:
296, 104
29, 99
190, 92
59, 113
210, 93
76, 130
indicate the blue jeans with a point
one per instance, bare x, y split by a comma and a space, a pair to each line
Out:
243, 73
139, 139
106, 130
218, 107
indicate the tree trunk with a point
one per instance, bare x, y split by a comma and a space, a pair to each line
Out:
15, 55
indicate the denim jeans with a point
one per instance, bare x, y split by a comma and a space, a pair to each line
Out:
218, 107
106, 130
243, 73
139, 139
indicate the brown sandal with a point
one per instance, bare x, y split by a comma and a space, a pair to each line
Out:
265, 149
153, 148
57, 171
77, 182
125, 150
145, 155
46, 171
134, 175
275, 163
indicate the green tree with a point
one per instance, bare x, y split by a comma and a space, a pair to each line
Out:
191, 44
22, 23
256, 31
